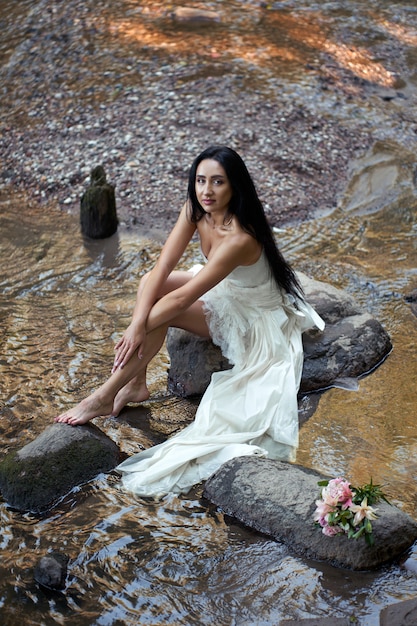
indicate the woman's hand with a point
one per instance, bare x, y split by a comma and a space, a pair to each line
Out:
132, 341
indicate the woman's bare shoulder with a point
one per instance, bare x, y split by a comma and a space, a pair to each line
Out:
240, 247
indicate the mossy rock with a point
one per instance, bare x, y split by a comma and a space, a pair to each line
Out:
62, 457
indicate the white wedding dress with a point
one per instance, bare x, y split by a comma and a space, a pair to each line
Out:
249, 409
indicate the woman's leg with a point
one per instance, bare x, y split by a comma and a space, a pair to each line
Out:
136, 389
129, 384
101, 401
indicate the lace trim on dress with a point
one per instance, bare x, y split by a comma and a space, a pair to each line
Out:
231, 310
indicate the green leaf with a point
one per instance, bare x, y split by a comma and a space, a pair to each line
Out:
359, 532
368, 525
373, 493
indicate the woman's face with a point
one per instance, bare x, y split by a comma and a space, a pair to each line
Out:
212, 187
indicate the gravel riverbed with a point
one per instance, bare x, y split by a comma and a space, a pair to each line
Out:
142, 93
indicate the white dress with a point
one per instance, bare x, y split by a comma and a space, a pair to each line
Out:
249, 409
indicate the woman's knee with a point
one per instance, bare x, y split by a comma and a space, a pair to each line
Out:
176, 279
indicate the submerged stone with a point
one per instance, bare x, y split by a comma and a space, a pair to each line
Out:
51, 571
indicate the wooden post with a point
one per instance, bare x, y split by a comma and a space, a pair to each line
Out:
98, 216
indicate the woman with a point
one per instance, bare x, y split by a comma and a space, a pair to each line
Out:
248, 300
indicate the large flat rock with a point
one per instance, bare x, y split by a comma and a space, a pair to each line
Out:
278, 499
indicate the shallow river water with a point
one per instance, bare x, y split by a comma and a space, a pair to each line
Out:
63, 302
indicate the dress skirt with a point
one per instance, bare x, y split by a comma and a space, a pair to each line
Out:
250, 409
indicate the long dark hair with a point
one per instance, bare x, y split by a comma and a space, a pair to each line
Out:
247, 207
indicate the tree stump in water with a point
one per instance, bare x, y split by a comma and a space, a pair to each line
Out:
98, 216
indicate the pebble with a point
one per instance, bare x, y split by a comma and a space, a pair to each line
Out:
51, 571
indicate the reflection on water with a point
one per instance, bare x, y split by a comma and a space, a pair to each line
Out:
65, 300
371, 252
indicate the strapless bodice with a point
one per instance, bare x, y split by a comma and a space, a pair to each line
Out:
251, 275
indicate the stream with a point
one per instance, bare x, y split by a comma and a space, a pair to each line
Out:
65, 300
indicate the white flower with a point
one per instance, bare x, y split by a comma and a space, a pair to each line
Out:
362, 511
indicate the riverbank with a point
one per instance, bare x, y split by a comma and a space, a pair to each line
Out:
142, 93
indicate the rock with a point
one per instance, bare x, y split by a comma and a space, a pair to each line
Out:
98, 216
400, 614
352, 344
51, 571
278, 499
189, 15
412, 299
35, 477
193, 360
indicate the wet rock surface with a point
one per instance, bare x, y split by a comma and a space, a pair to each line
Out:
278, 499
98, 215
35, 477
351, 345
51, 571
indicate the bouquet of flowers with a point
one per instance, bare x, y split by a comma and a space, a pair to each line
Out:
346, 509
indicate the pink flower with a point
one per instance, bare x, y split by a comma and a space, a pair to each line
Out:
337, 492
321, 512
337, 513
331, 531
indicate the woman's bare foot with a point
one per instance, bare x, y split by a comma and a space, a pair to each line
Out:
85, 411
135, 391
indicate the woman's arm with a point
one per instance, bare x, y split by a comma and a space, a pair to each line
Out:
148, 290
171, 253
231, 253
